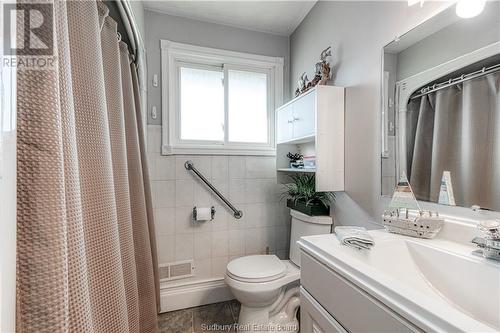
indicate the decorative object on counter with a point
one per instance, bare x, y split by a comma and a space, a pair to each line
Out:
405, 216
414, 223
296, 161
309, 162
356, 237
489, 244
322, 73
301, 195
403, 196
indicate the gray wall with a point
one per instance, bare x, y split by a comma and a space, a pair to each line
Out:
357, 31
138, 11
459, 38
162, 26
248, 181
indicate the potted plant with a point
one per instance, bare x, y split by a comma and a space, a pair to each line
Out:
301, 195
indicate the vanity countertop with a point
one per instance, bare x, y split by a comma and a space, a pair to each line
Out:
436, 284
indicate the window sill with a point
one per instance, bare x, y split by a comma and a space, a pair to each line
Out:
211, 150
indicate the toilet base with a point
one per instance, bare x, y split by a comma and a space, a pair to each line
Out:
279, 316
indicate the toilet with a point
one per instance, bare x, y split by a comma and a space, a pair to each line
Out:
267, 287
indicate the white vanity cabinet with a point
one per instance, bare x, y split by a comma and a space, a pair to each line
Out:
313, 125
331, 303
314, 318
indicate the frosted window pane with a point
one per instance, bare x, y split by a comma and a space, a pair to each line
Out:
247, 103
202, 104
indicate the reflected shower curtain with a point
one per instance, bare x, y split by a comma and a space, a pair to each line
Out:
85, 241
457, 129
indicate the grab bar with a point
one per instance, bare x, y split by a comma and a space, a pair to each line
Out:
190, 166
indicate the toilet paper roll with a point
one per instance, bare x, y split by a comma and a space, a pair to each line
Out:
203, 214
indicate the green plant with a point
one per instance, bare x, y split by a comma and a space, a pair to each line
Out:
303, 189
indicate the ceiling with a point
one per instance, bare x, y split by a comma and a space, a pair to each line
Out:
277, 17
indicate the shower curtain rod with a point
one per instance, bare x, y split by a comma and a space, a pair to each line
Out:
130, 27
457, 80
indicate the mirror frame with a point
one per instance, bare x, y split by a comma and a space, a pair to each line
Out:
406, 87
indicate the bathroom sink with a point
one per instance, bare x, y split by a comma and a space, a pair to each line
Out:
436, 284
467, 283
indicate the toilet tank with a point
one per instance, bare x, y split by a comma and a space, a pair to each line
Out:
305, 225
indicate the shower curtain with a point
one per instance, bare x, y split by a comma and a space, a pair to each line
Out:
457, 129
86, 259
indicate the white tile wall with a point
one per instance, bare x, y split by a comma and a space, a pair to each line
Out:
248, 181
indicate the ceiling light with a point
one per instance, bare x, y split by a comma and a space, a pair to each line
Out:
469, 8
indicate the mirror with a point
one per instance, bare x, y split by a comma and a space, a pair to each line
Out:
441, 110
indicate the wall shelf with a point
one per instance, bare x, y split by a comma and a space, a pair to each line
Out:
313, 125
297, 170
297, 141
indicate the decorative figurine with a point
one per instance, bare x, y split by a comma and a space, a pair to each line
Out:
321, 73
325, 66
297, 92
304, 84
322, 68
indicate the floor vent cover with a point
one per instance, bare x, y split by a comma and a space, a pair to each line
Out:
176, 270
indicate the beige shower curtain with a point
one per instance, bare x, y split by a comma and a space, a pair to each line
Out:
457, 129
85, 243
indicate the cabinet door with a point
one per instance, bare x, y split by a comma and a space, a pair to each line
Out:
284, 121
304, 116
315, 319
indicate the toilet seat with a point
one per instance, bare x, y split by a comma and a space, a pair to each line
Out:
256, 268
268, 288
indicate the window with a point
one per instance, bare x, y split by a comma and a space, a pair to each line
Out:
218, 102
247, 106
201, 104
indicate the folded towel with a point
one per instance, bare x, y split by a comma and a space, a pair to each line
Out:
354, 236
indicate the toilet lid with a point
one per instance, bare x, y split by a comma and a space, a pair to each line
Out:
257, 268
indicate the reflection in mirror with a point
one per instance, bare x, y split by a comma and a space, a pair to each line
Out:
441, 110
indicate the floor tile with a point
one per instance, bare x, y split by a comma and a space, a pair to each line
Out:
176, 321
214, 315
201, 319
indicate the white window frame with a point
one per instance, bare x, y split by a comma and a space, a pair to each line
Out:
173, 55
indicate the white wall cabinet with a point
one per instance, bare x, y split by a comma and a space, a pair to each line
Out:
304, 116
313, 125
284, 122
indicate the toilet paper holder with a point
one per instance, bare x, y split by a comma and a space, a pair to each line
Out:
212, 213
